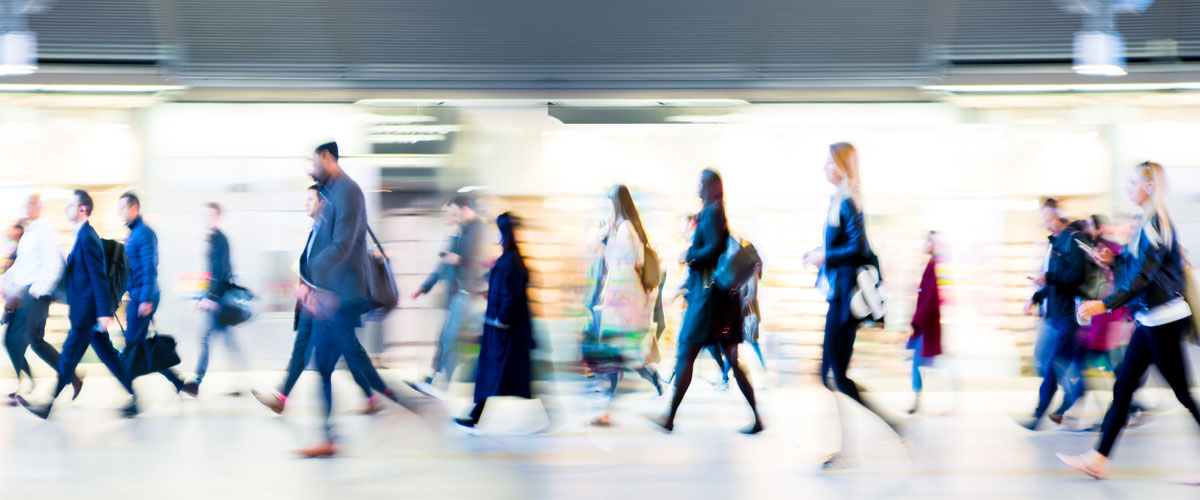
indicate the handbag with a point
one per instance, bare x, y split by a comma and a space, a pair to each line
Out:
155, 353
736, 265
868, 300
382, 293
234, 306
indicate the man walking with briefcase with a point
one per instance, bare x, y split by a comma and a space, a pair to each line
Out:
142, 250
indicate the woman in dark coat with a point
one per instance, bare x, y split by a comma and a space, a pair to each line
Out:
846, 248
504, 367
712, 317
926, 338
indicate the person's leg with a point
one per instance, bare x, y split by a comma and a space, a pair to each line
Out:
36, 329
916, 366
1050, 375
845, 349
715, 351
326, 351
1067, 363
743, 382
16, 342
447, 359
758, 351
103, 347
205, 341
683, 378
358, 361
73, 349
1129, 374
1171, 359
300, 351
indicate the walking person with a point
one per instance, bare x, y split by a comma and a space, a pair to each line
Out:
460, 268
846, 248
505, 366
141, 248
1150, 280
220, 279
28, 286
301, 346
926, 338
334, 270
90, 300
712, 317
625, 305
1059, 287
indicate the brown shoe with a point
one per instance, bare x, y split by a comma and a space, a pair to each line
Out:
273, 400
319, 451
1057, 418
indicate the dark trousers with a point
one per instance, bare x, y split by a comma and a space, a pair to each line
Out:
82, 334
300, 351
334, 338
136, 329
1149, 344
1063, 369
841, 329
27, 328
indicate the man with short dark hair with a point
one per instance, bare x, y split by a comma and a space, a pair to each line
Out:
334, 268
460, 268
91, 308
141, 247
220, 279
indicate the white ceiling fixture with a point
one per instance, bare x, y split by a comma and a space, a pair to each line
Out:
1099, 48
18, 45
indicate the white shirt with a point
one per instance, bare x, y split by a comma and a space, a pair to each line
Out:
38, 265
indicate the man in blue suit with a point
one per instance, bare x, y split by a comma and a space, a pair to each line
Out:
142, 250
91, 307
334, 268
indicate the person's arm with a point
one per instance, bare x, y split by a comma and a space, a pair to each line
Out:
707, 244
348, 225
512, 291
92, 253
855, 246
220, 272
1129, 287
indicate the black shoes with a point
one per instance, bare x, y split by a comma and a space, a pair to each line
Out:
42, 411
191, 389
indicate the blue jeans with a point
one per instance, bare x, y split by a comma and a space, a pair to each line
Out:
300, 354
446, 359
1062, 369
918, 362
216, 329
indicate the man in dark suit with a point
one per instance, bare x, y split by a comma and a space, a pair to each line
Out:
334, 269
142, 250
91, 306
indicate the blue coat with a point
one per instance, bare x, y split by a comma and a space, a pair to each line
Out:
142, 250
338, 260
1155, 277
1067, 271
86, 280
504, 363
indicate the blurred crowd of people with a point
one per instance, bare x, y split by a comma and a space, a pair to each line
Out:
1106, 307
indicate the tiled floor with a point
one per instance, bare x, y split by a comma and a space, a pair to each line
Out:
224, 448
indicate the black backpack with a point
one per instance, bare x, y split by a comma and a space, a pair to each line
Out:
116, 267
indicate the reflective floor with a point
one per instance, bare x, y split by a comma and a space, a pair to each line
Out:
963, 445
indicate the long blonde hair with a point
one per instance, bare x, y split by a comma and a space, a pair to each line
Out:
845, 161
1157, 176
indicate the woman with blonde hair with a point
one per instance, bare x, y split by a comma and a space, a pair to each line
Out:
1150, 280
846, 248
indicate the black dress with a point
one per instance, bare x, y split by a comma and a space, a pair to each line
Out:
712, 316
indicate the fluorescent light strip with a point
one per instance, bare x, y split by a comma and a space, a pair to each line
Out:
86, 89
1078, 87
582, 103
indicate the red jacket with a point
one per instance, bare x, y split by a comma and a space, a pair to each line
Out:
927, 319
